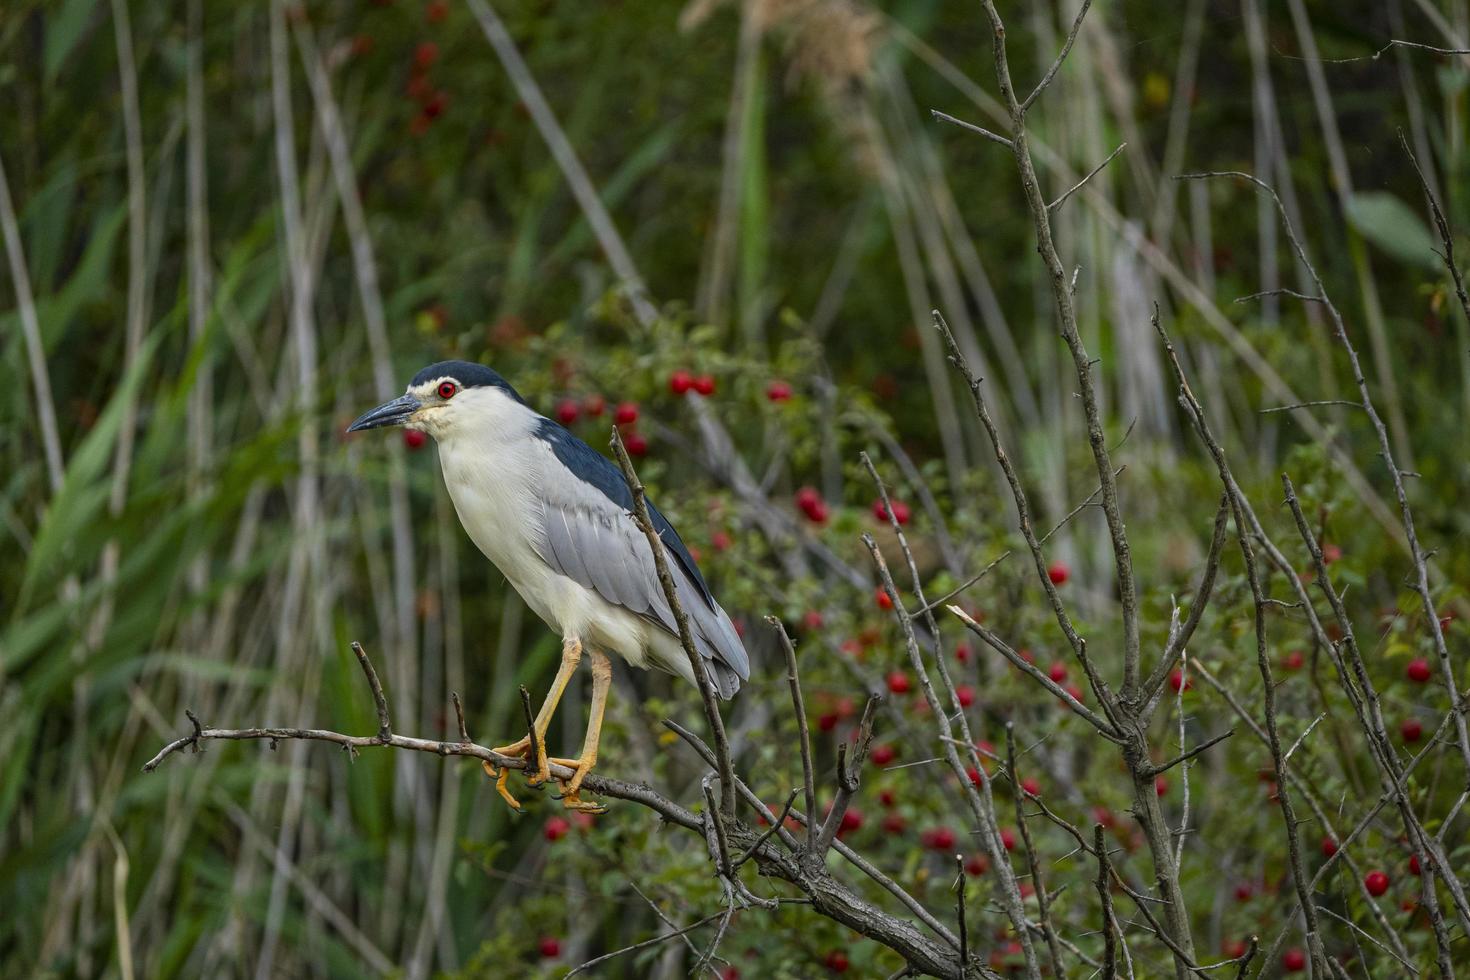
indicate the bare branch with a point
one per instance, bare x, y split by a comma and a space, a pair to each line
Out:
1104, 892
1043, 909
793, 678
1054, 205
1035, 673
993, 137
1166, 766
686, 638
663, 937
1056, 65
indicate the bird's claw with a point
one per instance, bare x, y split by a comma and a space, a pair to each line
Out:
573, 801
571, 788
501, 774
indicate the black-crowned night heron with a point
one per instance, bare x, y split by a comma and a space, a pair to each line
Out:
555, 516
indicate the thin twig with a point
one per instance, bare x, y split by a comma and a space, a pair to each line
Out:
793, 679
993, 137
1056, 65
1104, 892
1054, 205
1043, 907
385, 730
780, 819
1185, 757
681, 619
645, 944
1312, 404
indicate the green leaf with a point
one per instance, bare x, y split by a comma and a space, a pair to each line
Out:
1393, 226
63, 30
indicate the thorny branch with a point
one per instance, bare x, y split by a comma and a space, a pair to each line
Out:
686, 638
825, 893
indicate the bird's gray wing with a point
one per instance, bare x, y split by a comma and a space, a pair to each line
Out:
593, 540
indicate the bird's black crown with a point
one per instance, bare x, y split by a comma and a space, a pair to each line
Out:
468, 374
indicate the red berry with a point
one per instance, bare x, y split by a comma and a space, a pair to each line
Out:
1008, 838
1057, 672
881, 596
436, 103
962, 653
938, 839
1058, 572
567, 411
883, 754
836, 961
1418, 670
810, 503
1329, 846
1376, 882
813, 619
852, 819
828, 721
1411, 730
1233, 948
1293, 660
894, 824
414, 439
778, 391
556, 828
1243, 892
626, 414
720, 540
680, 381
898, 682
900, 511
1075, 693
1161, 785
974, 775
1031, 786
594, 406
965, 694
977, 865
1413, 864
425, 54
705, 384
1102, 815
1330, 553
1177, 681
436, 11
362, 44
729, 973
635, 444
887, 797
1293, 960
550, 947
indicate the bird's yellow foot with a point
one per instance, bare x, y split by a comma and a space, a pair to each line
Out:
571, 789
542, 775
518, 749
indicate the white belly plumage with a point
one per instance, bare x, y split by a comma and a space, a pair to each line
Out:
492, 504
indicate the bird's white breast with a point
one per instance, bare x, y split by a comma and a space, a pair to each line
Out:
495, 470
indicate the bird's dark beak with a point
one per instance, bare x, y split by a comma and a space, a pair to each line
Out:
395, 412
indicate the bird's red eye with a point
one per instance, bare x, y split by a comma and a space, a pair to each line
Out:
447, 389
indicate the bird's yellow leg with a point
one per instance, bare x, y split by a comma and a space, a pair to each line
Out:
601, 682
571, 656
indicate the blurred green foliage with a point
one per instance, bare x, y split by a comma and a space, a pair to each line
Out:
796, 214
